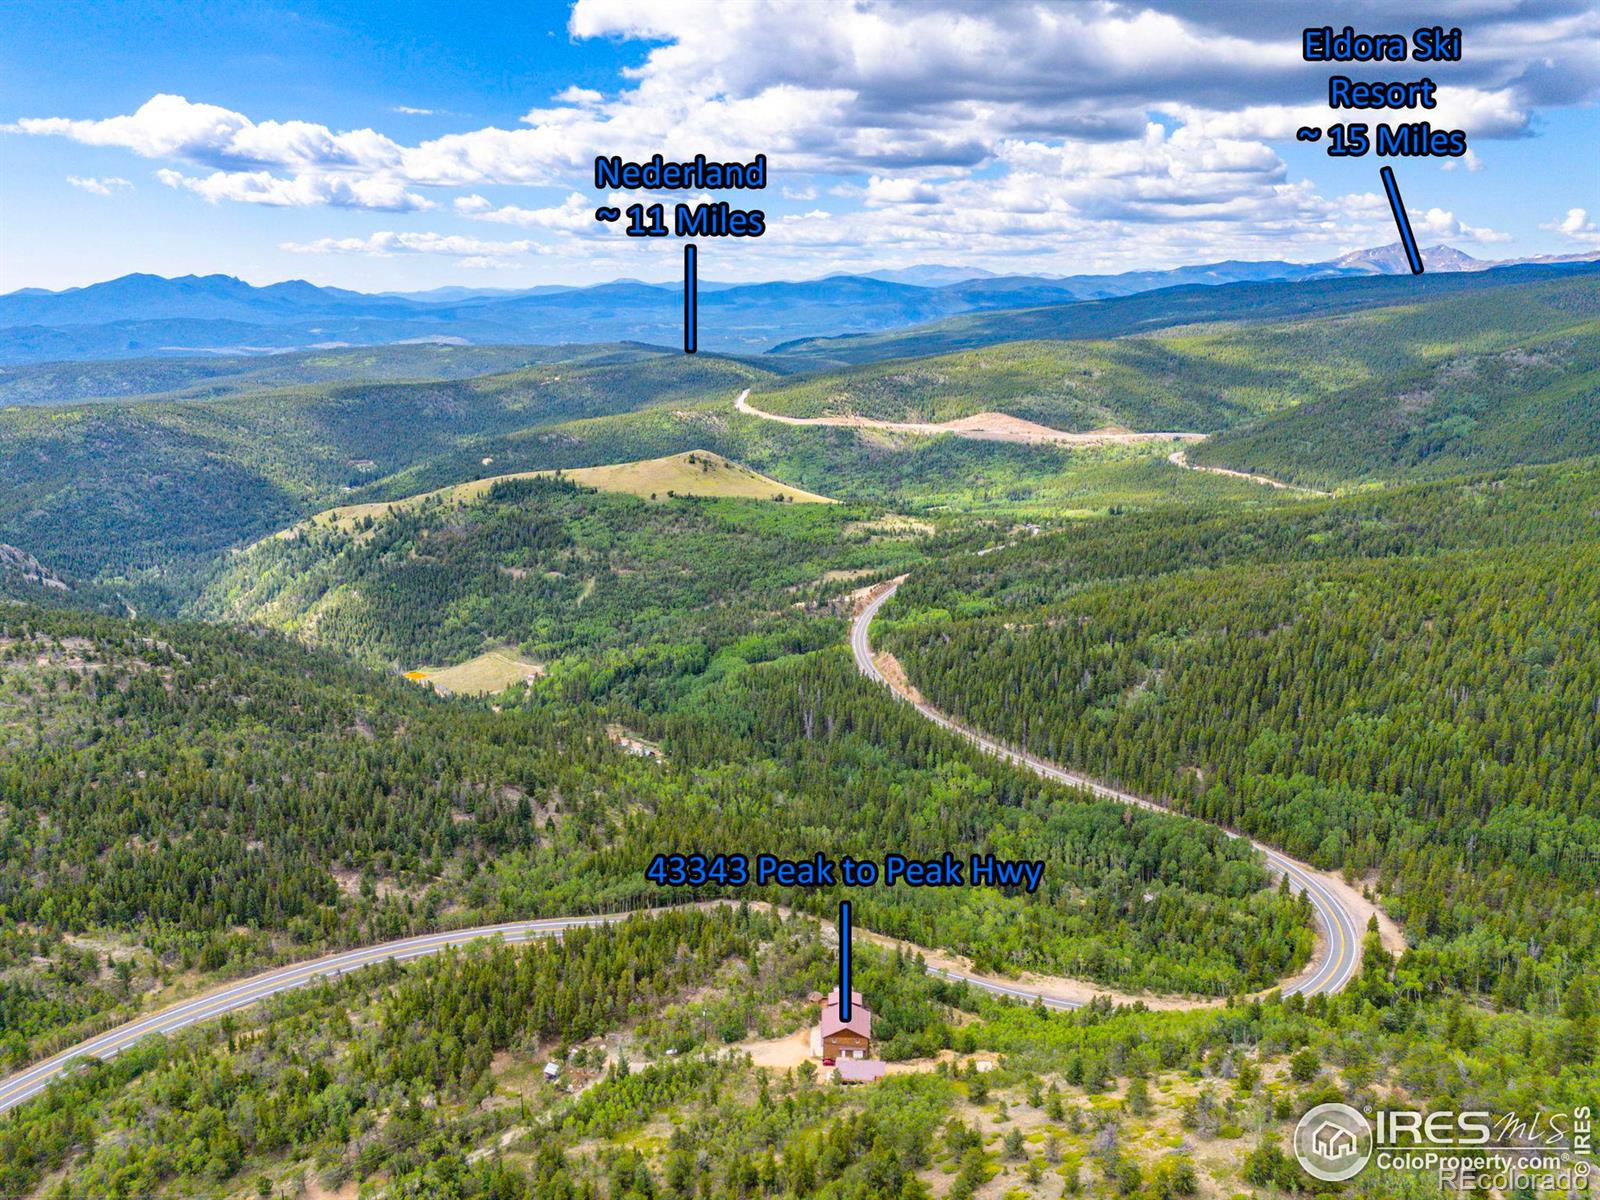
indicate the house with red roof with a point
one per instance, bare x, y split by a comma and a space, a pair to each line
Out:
842, 1039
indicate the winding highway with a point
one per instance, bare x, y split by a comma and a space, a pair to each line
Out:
28, 1083
1341, 911
1341, 914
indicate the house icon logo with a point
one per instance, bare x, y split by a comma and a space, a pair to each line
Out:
1333, 1142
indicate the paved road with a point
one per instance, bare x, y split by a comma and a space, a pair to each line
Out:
1340, 922
1338, 956
29, 1082
26, 1084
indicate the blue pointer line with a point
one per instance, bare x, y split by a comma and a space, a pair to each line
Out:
844, 960
691, 299
1407, 238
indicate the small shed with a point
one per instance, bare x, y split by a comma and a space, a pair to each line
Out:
861, 1070
552, 1072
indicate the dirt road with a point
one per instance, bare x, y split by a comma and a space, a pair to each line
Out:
983, 427
1180, 458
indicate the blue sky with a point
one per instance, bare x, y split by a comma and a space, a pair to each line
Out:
403, 146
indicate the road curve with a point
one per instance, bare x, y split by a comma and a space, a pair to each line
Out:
1338, 957
1339, 917
29, 1082
1180, 458
983, 427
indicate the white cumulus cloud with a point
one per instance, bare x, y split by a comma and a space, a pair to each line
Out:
168, 126
1016, 125
1577, 226
388, 244
299, 191
1437, 223
104, 186
574, 213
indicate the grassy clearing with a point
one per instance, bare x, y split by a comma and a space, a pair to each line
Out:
692, 473
491, 672
695, 473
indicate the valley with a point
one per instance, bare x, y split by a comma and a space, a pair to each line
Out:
1339, 911
330, 776
753, 600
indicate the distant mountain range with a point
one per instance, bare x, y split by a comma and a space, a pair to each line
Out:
1391, 260
148, 315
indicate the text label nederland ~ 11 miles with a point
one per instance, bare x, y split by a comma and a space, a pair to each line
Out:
708, 218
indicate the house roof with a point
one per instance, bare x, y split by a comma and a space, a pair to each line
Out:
861, 1070
860, 1022
833, 997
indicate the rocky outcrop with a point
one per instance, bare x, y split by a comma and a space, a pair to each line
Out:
20, 566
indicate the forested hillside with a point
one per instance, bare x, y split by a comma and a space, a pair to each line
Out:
226, 375
168, 785
426, 1080
137, 498
710, 649
625, 585
826, 738
1167, 308
1468, 408
1399, 684
156, 488
1481, 354
182, 800
930, 477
